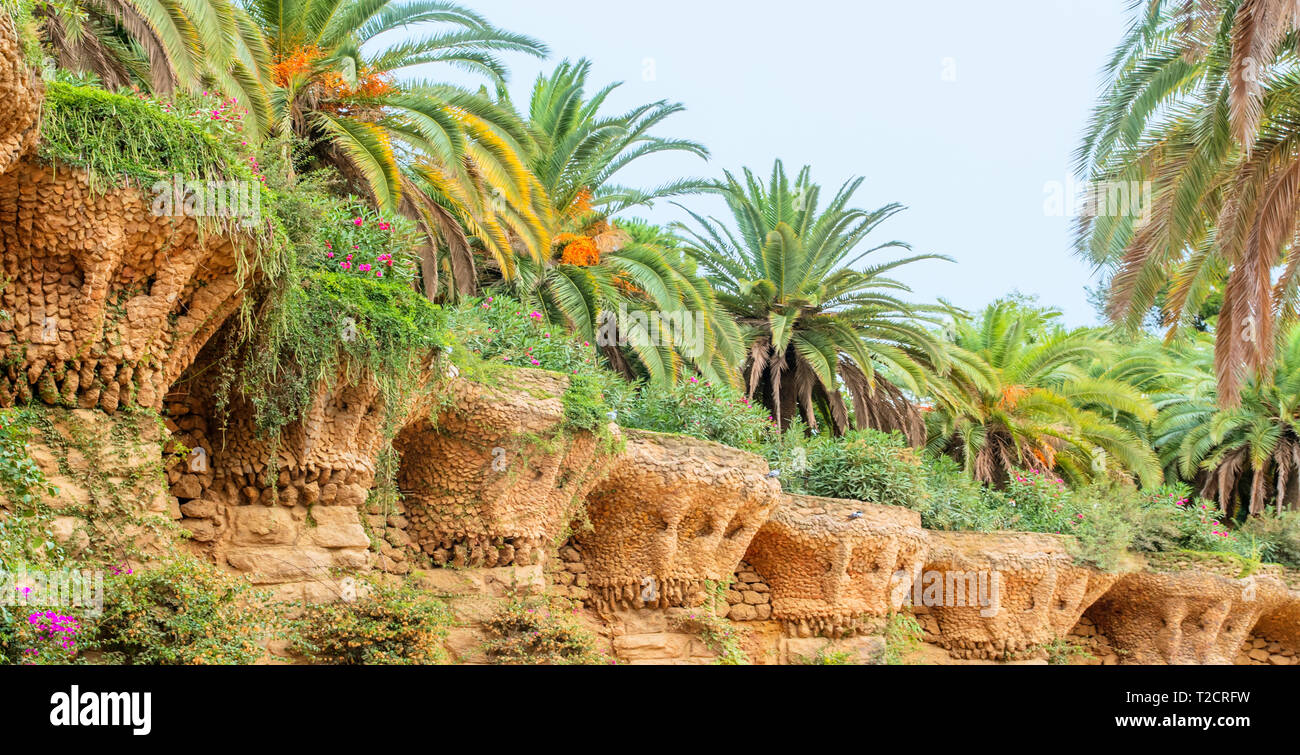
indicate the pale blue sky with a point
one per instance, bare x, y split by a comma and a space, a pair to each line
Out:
859, 88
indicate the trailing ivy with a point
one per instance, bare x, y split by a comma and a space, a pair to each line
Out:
114, 136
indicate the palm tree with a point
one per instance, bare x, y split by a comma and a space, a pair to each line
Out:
1202, 119
1019, 396
579, 150
329, 83
812, 323
1249, 453
597, 268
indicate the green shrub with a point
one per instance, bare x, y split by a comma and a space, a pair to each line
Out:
700, 409
533, 632
1170, 518
903, 635
356, 241
37, 637
1102, 518
957, 501
863, 465
384, 626
1062, 652
1278, 536
184, 612
828, 656
500, 330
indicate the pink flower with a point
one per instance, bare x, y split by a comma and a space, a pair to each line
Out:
329, 254
534, 361
357, 221
379, 273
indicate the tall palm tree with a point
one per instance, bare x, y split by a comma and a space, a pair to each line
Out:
1248, 454
579, 149
1019, 396
816, 320
1202, 119
328, 80
596, 269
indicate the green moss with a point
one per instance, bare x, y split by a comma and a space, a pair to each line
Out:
115, 137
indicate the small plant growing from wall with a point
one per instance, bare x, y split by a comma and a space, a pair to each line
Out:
540, 631
829, 656
383, 625
1062, 652
902, 638
717, 632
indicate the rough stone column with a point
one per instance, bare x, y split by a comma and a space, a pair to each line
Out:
21, 93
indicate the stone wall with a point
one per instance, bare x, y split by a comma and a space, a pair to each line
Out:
108, 472
673, 515
495, 476
20, 99
831, 563
749, 598
110, 303
1036, 591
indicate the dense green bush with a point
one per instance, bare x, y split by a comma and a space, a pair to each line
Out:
1277, 536
114, 135
500, 330
700, 409
1101, 518
1170, 518
863, 465
383, 626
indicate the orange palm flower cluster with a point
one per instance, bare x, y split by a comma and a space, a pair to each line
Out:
625, 284
581, 203
580, 250
1012, 394
294, 64
369, 84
